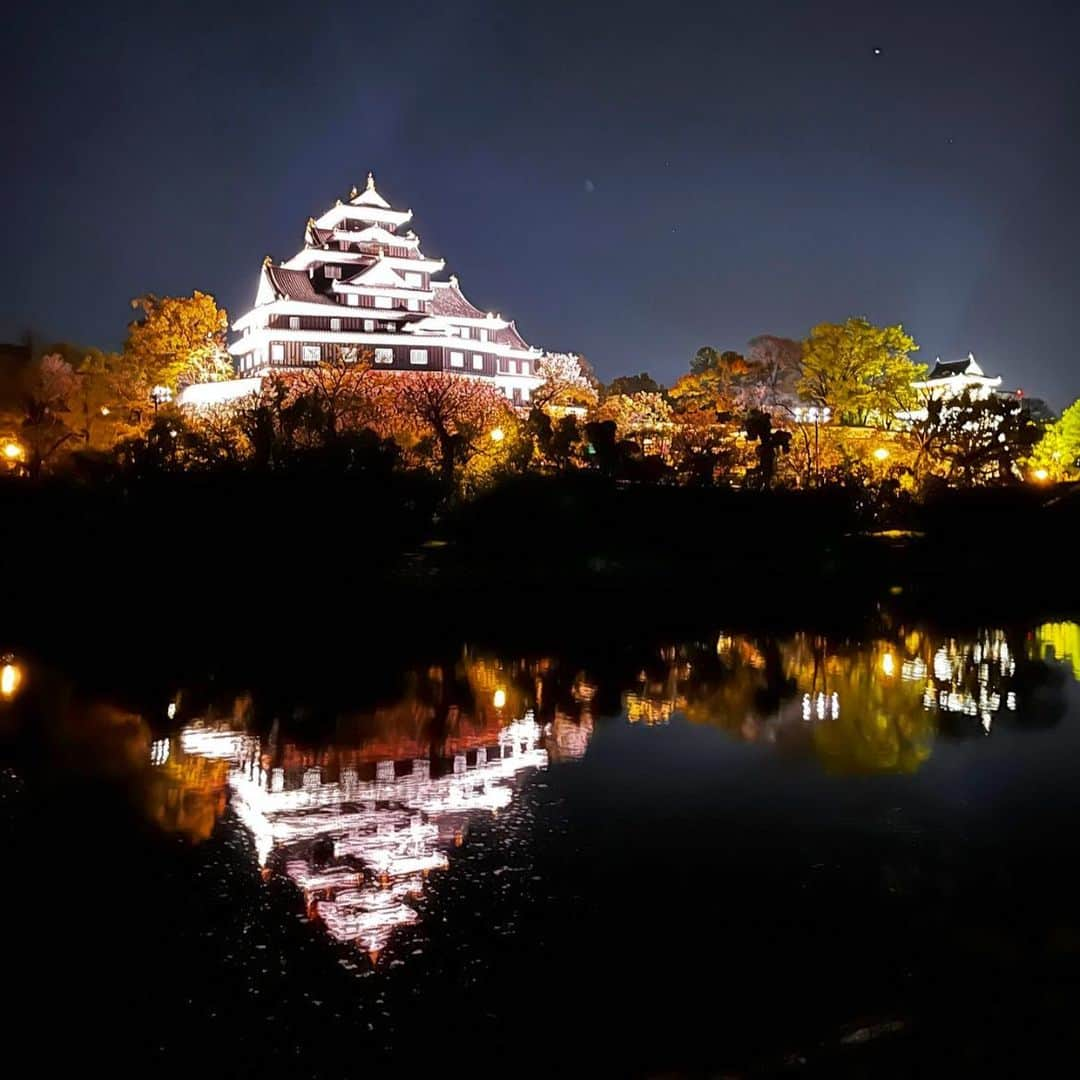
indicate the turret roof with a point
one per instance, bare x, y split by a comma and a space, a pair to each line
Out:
369, 196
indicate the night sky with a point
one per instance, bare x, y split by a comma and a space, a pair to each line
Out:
629, 181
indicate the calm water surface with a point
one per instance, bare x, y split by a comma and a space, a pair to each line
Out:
740, 855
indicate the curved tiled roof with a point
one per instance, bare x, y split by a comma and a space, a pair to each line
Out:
510, 336
449, 301
294, 285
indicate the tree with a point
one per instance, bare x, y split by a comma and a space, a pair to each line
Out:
643, 415
775, 364
458, 412
718, 383
178, 340
556, 440
642, 383
106, 402
42, 410
759, 429
1058, 451
976, 440
565, 384
860, 371
339, 394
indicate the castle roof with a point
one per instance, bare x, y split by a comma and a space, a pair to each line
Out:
293, 285
369, 196
450, 301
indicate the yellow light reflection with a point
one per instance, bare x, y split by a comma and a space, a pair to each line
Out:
888, 665
498, 699
497, 435
13, 451
11, 678
881, 453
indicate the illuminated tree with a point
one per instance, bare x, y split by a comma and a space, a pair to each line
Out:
41, 410
861, 371
632, 384
975, 440
643, 415
459, 413
1058, 451
565, 384
557, 441
107, 403
339, 394
775, 369
178, 340
719, 384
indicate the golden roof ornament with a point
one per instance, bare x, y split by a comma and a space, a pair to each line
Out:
267, 260
370, 181
352, 192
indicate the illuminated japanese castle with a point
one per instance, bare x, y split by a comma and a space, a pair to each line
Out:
361, 284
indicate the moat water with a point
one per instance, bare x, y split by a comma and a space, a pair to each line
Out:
739, 855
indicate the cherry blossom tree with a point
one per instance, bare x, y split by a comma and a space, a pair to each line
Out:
564, 382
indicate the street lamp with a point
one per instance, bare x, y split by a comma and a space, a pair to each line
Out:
160, 395
881, 453
497, 435
13, 451
813, 415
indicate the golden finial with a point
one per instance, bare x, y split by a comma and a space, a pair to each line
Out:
371, 181
267, 260
352, 192
338, 202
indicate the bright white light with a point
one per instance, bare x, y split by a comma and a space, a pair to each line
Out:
171, 710
204, 395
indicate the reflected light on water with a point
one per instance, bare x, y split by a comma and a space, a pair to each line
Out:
360, 849
11, 678
1060, 642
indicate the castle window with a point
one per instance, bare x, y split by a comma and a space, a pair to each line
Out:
311, 354
524, 367
294, 322
384, 356
335, 324
457, 359
414, 280
277, 351
369, 325
414, 305
512, 366
477, 362
352, 299
418, 356
383, 302
332, 271
483, 335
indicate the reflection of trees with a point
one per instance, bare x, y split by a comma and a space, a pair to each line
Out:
1058, 642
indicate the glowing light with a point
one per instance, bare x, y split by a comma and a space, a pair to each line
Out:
13, 451
104, 410
171, 710
11, 677
499, 698
497, 435
1040, 474
881, 453
888, 665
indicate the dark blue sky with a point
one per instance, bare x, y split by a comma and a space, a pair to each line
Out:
629, 180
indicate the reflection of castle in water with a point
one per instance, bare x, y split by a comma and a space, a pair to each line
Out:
358, 845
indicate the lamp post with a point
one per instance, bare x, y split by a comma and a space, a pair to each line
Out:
816, 416
160, 395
